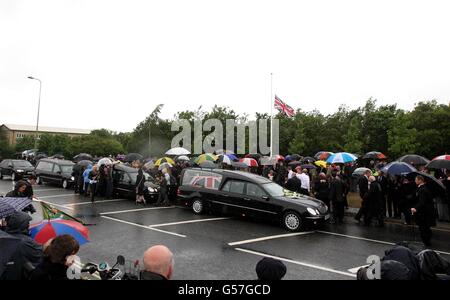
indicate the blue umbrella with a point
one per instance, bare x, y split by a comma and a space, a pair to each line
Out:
10, 205
341, 158
398, 168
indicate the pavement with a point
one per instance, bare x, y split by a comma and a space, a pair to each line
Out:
219, 247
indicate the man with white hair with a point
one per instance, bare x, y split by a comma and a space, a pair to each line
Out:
158, 263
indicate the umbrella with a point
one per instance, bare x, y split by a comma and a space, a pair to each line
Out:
308, 166
435, 186
296, 156
205, 157
8, 247
82, 156
288, 158
374, 155
323, 155
40, 156
104, 161
178, 151
250, 162
182, 158
149, 165
414, 159
238, 165
227, 158
58, 156
398, 168
256, 156
341, 158
308, 160
10, 205
164, 160
294, 163
132, 157
360, 171
165, 165
84, 163
321, 163
223, 151
49, 229
207, 164
440, 162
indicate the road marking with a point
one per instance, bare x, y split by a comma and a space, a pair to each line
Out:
298, 262
355, 269
187, 222
136, 209
45, 190
370, 240
56, 196
143, 226
269, 238
98, 201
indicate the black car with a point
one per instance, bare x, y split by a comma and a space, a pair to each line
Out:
55, 171
124, 183
16, 168
245, 194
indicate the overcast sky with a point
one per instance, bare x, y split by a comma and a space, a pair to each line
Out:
109, 63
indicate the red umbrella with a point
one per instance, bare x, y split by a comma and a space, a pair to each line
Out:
49, 229
439, 162
249, 162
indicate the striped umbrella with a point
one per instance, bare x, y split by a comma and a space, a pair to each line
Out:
10, 205
227, 158
341, 158
323, 155
440, 162
164, 160
251, 162
49, 229
205, 157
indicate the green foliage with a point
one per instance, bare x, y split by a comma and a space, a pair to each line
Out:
5, 149
25, 143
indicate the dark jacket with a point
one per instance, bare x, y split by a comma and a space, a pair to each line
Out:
425, 208
375, 198
322, 190
337, 190
406, 257
293, 184
280, 174
363, 186
146, 275
49, 271
28, 250
140, 183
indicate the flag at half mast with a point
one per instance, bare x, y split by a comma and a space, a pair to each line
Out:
283, 107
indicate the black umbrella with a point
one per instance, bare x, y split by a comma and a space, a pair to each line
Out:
58, 156
374, 155
435, 186
308, 166
10, 205
308, 160
414, 159
294, 163
439, 163
40, 156
256, 156
8, 247
296, 156
132, 157
84, 163
82, 156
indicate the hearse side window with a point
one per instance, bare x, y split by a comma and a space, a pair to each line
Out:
234, 186
45, 166
254, 190
56, 168
202, 178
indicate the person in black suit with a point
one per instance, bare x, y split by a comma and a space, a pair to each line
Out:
363, 186
424, 211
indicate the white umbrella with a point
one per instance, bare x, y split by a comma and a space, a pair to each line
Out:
177, 151
183, 157
104, 161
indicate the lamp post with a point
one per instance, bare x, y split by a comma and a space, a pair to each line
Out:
39, 107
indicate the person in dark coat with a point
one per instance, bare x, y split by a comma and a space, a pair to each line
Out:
163, 198
101, 184
23, 189
407, 199
337, 198
58, 257
322, 189
383, 181
108, 182
393, 197
423, 211
93, 182
374, 202
280, 173
140, 185
76, 175
293, 184
363, 186
29, 251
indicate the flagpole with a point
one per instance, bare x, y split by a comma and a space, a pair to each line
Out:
271, 113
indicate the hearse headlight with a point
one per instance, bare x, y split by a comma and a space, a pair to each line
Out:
151, 190
72, 178
312, 211
20, 171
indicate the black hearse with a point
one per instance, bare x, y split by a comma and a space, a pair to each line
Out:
16, 168
124, 183
245, 194
57, 171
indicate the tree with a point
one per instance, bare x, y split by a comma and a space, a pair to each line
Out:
25, 143
352, 138
401, 136
5, 149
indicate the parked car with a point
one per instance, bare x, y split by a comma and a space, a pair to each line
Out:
124, 183
55, 171
246, 194
16, 168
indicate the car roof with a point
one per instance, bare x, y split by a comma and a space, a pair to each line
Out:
237, 175
18, 160
58, 161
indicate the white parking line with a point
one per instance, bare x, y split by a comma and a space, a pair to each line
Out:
98, 201
269, 238
136, 209
44, 190
143, 226
187, 222
298, 263
56, 196
370, 240
355, 269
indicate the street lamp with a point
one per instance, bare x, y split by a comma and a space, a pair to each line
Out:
39, 107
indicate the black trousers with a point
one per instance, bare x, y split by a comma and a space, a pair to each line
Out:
425, 234
362, 210
93, 187
338, 211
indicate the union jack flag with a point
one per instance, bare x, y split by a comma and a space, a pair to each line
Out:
283, 107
